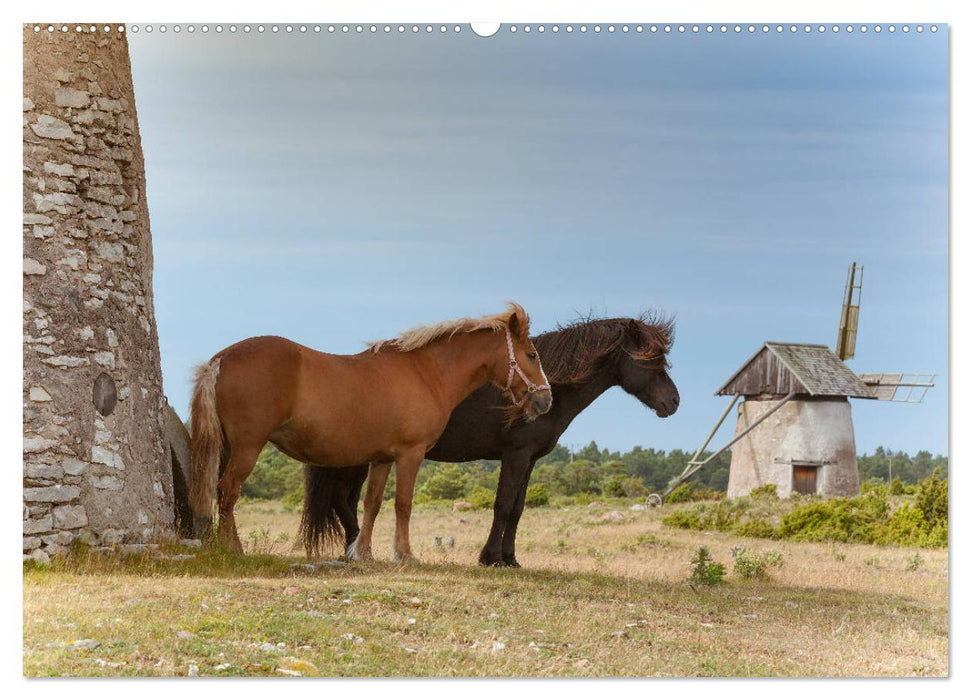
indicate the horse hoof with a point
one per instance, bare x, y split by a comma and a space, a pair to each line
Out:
511, 563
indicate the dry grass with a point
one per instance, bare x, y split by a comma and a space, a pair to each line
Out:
599, 597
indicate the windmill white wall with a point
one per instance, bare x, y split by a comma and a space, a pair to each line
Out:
803, 436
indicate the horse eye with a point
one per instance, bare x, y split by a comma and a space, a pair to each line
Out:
531, 355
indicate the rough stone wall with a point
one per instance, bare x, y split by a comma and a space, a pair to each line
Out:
807, 431
95, 465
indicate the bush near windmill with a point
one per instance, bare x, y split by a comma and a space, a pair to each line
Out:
875, 517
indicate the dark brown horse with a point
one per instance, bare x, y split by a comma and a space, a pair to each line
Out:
387, 404
582, 360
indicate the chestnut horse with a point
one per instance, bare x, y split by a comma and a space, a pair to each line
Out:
387, 404
583, 360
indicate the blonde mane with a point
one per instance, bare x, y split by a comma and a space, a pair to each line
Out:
421, 336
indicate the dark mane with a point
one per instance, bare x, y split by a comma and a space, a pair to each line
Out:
572, 352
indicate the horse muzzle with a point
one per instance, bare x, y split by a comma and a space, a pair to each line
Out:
538, 403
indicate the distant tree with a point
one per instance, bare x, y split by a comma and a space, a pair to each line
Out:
590, 453
560, 453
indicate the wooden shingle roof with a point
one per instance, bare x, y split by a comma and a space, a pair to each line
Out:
780, 368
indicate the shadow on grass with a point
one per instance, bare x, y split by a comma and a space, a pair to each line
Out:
217, 563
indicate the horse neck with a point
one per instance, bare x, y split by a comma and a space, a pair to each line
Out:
571, 399
460, 365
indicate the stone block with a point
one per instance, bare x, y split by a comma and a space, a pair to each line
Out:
39, 470
38, 525
107, 483
38, 393
52, 494
49, 127
70, 517
32, 267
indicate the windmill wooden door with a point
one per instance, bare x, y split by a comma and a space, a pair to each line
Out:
804, 478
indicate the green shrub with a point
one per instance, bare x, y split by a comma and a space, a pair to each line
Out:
768, 491
448, 482
755, 528
686, 519
896, 487
614, 486
723, 516
706, 571
293, 500
481, 497
537, 495
873, 485
932, 500
682, 494
855, 519
750, 564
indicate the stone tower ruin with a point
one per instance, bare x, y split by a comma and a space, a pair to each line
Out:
96, 465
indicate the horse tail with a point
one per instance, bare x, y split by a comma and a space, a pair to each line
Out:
320, 524
207, 440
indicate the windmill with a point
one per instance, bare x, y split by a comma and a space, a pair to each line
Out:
794, 427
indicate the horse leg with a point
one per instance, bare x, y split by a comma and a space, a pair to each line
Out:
511, 476
406, 470
242, 460
347, 509
512, 522
377, 476
512, 464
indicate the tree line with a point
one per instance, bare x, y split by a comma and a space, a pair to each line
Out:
591, 470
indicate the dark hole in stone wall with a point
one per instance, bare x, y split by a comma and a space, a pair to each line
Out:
104, 396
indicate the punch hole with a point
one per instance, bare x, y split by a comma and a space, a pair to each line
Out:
485, 29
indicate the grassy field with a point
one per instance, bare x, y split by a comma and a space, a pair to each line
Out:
603, 592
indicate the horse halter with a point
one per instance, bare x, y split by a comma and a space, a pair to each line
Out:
515, 369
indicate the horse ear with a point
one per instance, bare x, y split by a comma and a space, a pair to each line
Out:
518, 325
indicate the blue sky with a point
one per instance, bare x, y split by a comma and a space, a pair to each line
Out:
336, 189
